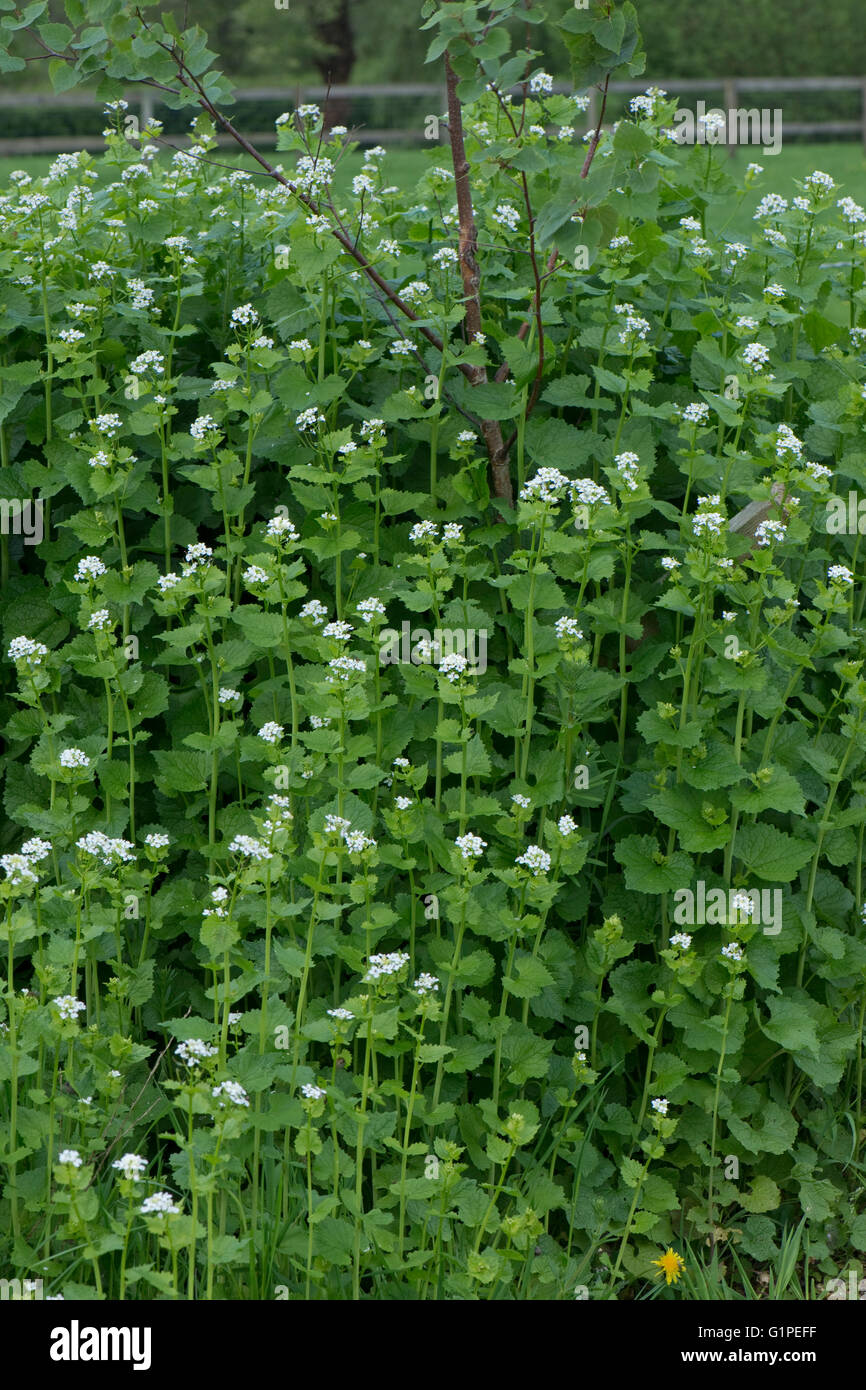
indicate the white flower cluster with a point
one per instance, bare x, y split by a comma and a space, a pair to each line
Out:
68, 1006
567, 630
535, 859
130, 1166
281, 528
24, 651
470, 846
627, 466
233, 1091
787, 442
453, 666
198, 556
769, 531
380, 966
547, 487
249, 848
194, 1050
635, 329
74, 757
202, 427
109, 852
840, 574
756, 356
159, 1204
341, 669
271, 732
771, 205
507, 216
18, 869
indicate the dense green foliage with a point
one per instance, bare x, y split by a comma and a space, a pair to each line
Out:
354, 814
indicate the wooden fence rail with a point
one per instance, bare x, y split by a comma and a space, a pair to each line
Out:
143, 102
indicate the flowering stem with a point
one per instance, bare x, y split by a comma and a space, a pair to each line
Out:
626, 1233
446, 1008
416, 1067
359, 1160
716, 1101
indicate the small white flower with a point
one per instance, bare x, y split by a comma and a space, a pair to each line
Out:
310, 419
541, 84
69, 1007
470, 846
535, 859
547, 486
341, 1015
566, 825
36, 849
314, 612
425, 983
249, 848
130, 1166
232, 1090
840, 574
90, 567
281, 528
244, 316
254, 574
682, 940
26, 652
660, 1105
18, 870
507, 216
194, 1050
100, 621
453, 666
74, 757
390, 963
769, 531
567, 630
159, 1204
756, 356
271, 732
423, 531
202, 427
70, 1158
312, 1092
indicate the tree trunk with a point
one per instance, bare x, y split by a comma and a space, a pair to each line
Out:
336, 58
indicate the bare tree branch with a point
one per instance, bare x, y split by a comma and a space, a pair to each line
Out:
471, 275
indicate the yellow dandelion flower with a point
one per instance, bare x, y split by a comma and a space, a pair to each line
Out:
671, 1265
